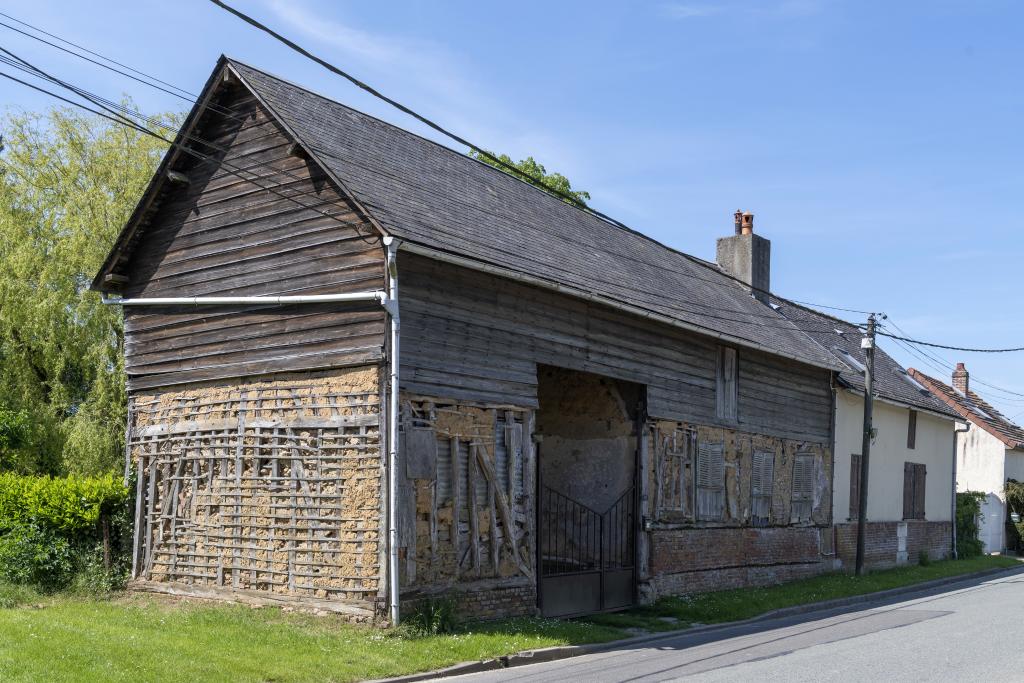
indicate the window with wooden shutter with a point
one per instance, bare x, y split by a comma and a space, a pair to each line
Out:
727, 384
920, 472
803, 487
508, 453
912, 429
914, 477
913, 491
710, 481
762, 473
444, 470
676, 449
854, 486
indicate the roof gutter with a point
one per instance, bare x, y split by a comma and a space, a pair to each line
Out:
484, 267
377, 295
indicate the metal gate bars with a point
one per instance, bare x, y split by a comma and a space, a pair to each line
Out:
586, 557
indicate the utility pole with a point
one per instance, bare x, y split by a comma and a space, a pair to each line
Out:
868, 344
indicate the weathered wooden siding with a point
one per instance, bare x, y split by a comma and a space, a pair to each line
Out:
475, 337
222, 235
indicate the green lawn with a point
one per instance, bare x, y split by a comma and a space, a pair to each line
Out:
149, 638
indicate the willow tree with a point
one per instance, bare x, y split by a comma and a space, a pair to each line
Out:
68, 182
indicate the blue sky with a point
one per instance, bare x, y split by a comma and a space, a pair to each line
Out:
879, 144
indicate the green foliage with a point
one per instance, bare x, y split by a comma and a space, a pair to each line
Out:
69, 505
14, 435
34, 555
68, 183
433, 616
535, 173
923, 558
51, 531
968, 521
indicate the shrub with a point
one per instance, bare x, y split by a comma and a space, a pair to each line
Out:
968, 519
69, 505
923, 558
33, 555
433, 616
51, 531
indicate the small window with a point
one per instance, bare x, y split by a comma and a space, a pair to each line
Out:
849, 359
727, 385
762, 473
914, 475
710, 481
803, 487
854, 486
912, 429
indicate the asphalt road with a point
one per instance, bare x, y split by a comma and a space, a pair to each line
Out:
974, 631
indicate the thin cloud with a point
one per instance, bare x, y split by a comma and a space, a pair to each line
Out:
691, 11
430, 76
785, 8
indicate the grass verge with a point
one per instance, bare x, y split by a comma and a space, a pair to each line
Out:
138, 637
733, 605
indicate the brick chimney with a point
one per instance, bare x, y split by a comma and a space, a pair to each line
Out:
961, 379
746, 256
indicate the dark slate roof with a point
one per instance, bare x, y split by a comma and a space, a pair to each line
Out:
972, 407
423, 192
891, 381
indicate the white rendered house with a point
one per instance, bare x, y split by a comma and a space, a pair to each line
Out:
990, 450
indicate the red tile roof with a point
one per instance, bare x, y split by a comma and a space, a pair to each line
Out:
974, 408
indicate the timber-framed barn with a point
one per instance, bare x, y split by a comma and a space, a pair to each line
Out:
364, 368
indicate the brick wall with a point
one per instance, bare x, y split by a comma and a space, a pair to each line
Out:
716, 559
486, 602
882, 542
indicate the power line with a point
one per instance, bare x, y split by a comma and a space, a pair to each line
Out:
129, 124
231, 115
119, 110
509, 168
938, 363
91, 52
951, 348
187, 96
227, 112
117, 117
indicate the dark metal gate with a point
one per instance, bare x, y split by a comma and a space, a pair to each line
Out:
587, 558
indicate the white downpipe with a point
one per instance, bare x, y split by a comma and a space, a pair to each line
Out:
248, 300
392, 307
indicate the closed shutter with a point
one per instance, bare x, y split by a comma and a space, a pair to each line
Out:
761, 478
912, 429
854, 486
726, 394
908, 490
920, 472
710, 481
803, 487
444, 470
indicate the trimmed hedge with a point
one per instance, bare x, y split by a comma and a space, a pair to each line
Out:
52, 531
69, 506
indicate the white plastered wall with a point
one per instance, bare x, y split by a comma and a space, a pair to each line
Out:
982, 465
933, 448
